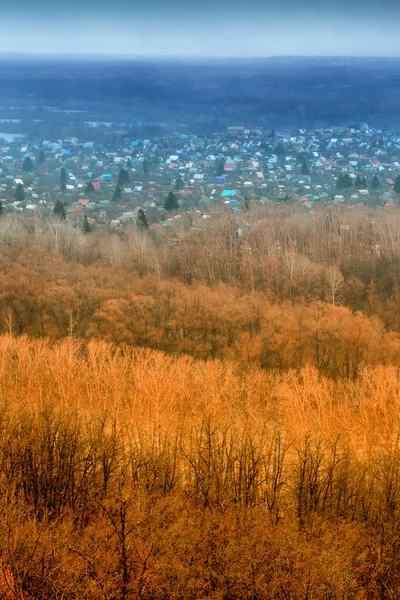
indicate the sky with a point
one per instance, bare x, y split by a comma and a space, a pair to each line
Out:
207, 28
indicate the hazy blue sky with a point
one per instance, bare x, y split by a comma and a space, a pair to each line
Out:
203, 28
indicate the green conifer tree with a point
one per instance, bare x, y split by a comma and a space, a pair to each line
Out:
344, 181
304, 169
63, 180
27, 166
141, 220
347, 180
19, 192
178, 183
171, 202
123, 178
375, 183
59, 210
219, 168
117, 196
280, 150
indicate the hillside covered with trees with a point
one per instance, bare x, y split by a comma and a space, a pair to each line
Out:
209, 410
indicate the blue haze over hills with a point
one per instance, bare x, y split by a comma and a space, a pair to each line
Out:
65, 66
65, 96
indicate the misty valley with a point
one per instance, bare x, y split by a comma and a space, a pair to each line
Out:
199, 328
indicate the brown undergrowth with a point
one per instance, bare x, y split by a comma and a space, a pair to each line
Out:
128, 473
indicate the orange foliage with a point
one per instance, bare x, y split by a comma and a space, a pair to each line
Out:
128, 473
195, 413
43, 296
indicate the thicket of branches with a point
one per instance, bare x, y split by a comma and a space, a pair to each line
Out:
277, 289
200, 412
125, 473
333, 255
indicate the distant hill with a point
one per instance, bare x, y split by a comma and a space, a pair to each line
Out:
199, 94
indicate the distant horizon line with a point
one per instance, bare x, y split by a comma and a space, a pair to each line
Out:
123, 56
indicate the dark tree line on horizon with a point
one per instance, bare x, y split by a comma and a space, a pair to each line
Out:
201, 98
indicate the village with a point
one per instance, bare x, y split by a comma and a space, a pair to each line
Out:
110, 183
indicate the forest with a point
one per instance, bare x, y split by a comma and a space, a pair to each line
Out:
209, 410
57, 97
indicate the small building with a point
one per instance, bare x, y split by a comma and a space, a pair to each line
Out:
228, 193
104, 203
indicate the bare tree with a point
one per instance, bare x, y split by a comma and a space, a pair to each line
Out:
335, 281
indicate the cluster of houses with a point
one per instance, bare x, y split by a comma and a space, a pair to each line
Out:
109, 182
